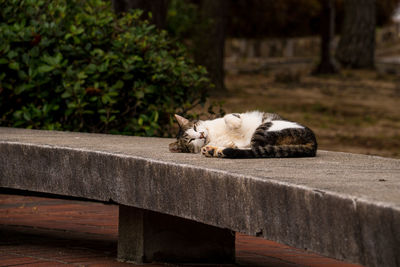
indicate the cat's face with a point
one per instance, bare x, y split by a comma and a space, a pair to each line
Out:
191, 138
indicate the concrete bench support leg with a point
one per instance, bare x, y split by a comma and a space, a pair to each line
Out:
146, 236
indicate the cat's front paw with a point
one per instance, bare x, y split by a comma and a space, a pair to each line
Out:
212, 151
233, 121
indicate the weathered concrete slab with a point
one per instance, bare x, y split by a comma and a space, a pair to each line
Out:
341, 205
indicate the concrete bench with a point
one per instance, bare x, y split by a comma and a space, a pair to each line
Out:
185, 207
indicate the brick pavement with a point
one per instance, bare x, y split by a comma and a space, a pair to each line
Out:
36, 232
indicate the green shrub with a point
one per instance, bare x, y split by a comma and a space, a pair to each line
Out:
182, 18
73, 65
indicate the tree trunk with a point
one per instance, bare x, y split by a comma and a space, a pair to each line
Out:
327, 64
209, 39
158, 9
356, 48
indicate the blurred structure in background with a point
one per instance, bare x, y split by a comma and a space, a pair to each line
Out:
327, 64
356, 47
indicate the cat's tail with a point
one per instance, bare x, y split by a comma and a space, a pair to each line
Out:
273, 151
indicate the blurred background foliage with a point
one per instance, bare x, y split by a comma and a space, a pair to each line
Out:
74, 65
267, 18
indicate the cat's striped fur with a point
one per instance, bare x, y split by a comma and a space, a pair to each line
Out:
246, 135
297, 142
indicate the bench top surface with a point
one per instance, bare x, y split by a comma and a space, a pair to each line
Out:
342, 205
373, 179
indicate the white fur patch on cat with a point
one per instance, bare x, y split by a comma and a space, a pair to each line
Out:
281, 125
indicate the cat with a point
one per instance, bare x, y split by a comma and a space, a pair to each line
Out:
246, 135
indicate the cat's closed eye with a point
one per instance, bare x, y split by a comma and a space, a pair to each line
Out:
194, 128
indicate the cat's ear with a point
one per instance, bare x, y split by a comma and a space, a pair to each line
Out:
181, 120
174, 147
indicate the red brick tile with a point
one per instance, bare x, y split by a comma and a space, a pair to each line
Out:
59, 231
123, 264
18, 260
339, 264
88, 260
266, 262
49, 264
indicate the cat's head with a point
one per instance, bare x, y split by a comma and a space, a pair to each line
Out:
191, 138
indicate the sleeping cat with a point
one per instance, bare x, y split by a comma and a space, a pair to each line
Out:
246, 135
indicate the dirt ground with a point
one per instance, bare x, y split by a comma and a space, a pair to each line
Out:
354, 111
